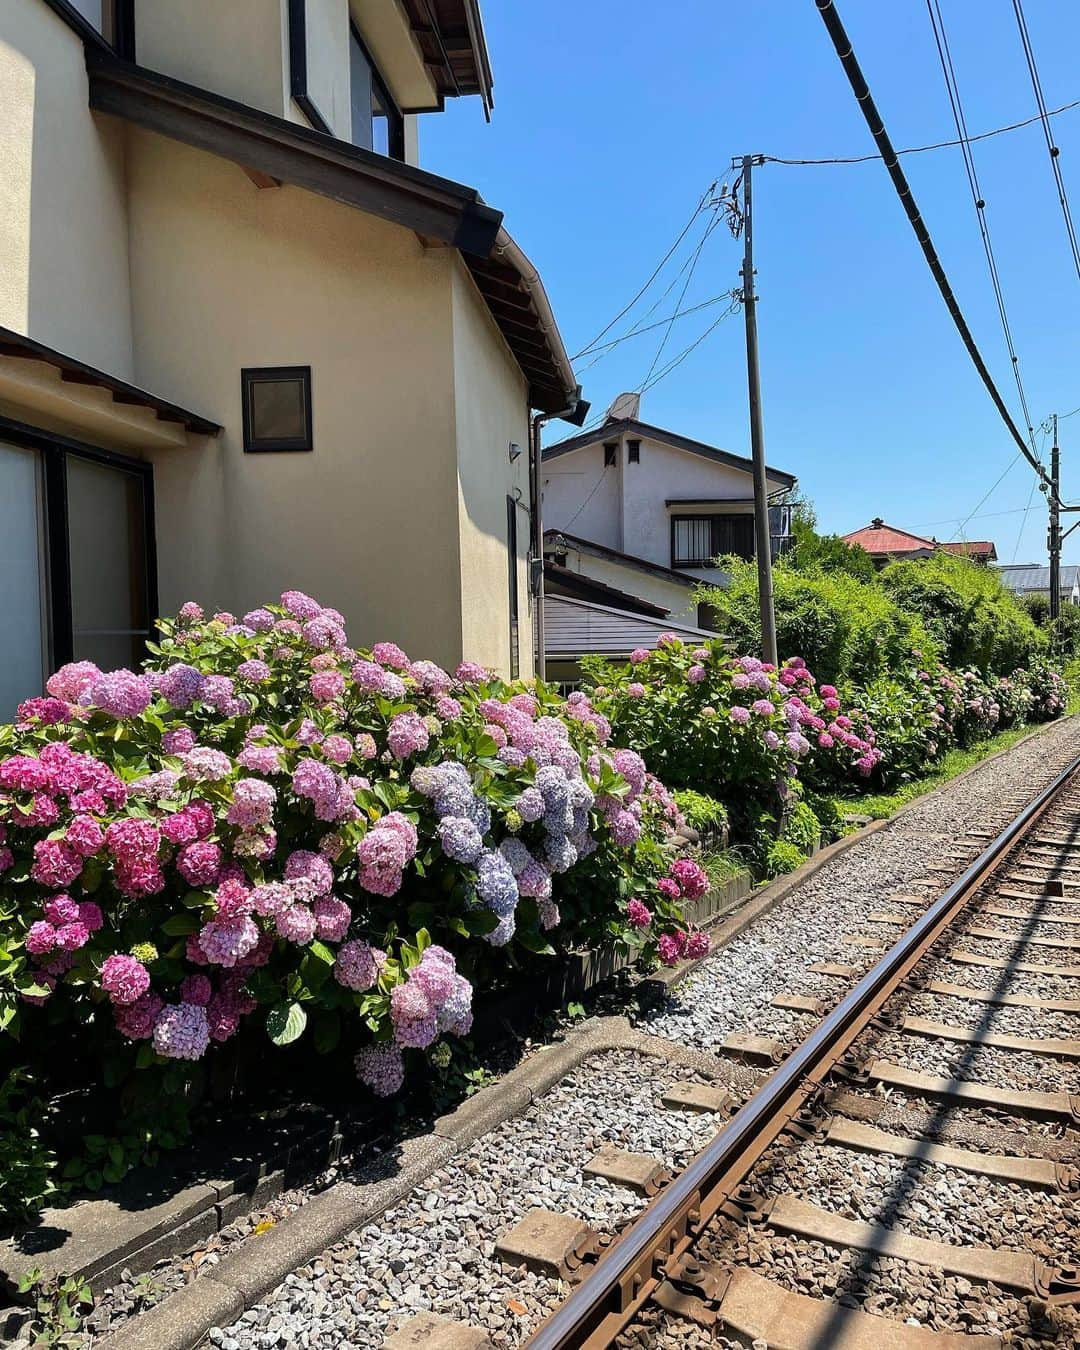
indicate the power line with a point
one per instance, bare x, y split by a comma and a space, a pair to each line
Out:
655, 273
922, 149
937, 23
605, 347
861, 90
1023, 523
1044, 118
984, 498
682, 296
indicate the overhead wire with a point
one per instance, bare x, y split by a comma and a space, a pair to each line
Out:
1044, 118
705, 197
864, 98
952, 86
682, 296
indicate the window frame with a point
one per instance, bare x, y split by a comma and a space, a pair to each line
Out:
512, 594
55, 450
395, 118
713, 517
611, 454
633, 452
298, 67
304, 444
121, 23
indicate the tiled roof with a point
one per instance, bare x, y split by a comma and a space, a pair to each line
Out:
972, 548
882, 538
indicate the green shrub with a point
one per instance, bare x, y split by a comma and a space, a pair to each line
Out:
27, 1166
802, 828
846, 629
701, 812
1065, 631
813, 552
783, 857
972, 617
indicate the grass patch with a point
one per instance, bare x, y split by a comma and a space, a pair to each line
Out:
884, 804
722, 865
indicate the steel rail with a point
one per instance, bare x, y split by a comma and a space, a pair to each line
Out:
632, 1268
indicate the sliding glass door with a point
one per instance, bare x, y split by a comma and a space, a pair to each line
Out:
23, 631
77, 578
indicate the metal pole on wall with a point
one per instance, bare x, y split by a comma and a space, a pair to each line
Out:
762, 535
535, 424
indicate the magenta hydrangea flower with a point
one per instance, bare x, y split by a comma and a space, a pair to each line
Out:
203, 764
60, 909
471, 672
85, 836
357, 965
692, 880
90, 916
182, 1031
638, 915
45, 712
668, 947
56, 864
669, 888
254, 671
698, 945
381, 1068
390, 654
407, 735
739, 715
40, 938
199, 863
123, 978
639, 656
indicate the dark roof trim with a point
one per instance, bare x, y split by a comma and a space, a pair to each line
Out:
603, 551
629, 426
420, 201
450, 34
588, 588
78, 372
708, 501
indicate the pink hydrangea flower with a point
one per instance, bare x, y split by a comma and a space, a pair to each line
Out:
635, 689
381, 1068
696, 674
296, 924
179, 741
120, 693
136, 1020
668, 947
123, 978
301, 606
390, 654
224, 942
357, 965
638, 915
252, 804
407, 735
471, 672
72, 681
326, 685
182, 1031
739, 714
332, 918
639, 656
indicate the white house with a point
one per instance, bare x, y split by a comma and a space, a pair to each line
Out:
247, 343
640, 514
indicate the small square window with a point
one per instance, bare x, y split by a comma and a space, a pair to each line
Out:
277, 408
633, 452
611, 449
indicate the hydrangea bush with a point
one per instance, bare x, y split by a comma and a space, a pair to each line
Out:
266, 827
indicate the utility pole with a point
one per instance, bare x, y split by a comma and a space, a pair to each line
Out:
762, 535
1054, 535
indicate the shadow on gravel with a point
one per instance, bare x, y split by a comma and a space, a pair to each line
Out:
888, 1212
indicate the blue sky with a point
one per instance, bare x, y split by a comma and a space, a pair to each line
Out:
613, 116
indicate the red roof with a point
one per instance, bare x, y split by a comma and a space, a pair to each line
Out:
877, 537
972, 548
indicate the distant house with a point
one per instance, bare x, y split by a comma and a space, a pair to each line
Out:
1030, 579
635, 517
886, 544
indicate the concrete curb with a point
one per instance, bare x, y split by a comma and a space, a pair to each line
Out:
241, 1279
259, 1265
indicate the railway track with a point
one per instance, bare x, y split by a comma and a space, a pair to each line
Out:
984, 1089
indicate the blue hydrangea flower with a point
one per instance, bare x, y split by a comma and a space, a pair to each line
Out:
503, 932
560, 852
530, 805
496, 883
460, 839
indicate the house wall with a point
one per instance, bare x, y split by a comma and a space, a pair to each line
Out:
63, 186
627, 509
671, 595
239, 49
491, 410
225, 276
580, 495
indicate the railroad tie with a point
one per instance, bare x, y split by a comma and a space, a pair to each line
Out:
803, 1003
1030, 915
1014, 1270
1041, 1173
1033, 1045
945, 990
701, 1097
1002, 935
754, 1049
547, 1243
893, 920
427, 1331
870, 944
836, 969
763, 1311
635, 1171
1023, 967
967, 1092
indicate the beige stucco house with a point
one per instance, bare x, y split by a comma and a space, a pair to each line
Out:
246, 342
